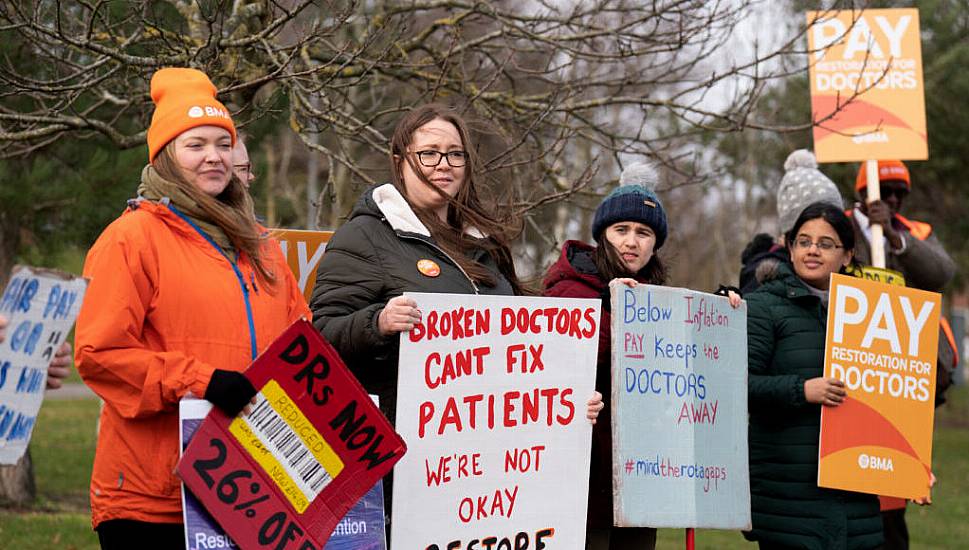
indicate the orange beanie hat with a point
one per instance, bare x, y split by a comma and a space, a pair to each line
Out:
887, 170
184, 99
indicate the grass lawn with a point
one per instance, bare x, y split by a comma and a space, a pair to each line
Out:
63, 451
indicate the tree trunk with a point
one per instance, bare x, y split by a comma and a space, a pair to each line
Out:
17, 485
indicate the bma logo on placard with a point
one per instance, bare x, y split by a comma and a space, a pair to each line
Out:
872, 462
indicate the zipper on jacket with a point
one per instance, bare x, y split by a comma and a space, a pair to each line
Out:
242, 281
446, 255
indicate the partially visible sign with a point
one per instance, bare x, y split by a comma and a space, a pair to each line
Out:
284, 475
679, 418
303, 251
361, 529
492, 400
877, 274
882, 341
867, 93
40, 306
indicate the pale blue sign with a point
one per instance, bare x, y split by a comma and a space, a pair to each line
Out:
41, 307
679, 419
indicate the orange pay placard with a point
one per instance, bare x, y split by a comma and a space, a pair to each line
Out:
303, 251
882, 341
867, 93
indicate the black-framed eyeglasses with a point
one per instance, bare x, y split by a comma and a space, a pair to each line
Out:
247, 167
455, 159
823, 243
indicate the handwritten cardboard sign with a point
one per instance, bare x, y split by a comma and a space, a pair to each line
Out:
874, 58
285, 475
303, 251
882, 341
492, 403
361, 529
41, 307
679, 419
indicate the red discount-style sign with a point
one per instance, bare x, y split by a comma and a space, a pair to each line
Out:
314, 443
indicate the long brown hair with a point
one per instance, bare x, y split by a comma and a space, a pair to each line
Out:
610, 265
465, 209
232, 210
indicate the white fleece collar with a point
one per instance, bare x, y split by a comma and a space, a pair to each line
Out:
399, 214
401, 217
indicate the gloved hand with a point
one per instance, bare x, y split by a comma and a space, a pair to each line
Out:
229, 391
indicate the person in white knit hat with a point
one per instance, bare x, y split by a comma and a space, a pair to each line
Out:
801, 185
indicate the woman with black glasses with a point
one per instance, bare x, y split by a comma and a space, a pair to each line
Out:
786, 319
426, 231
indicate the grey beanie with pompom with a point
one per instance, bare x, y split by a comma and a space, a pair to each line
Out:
803, 184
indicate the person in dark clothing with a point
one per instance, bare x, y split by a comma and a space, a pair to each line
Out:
762, 250
786, 320
801, 185
912, 250
426, 231
629, 227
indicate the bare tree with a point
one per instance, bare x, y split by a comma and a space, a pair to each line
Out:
562, 92
543, 73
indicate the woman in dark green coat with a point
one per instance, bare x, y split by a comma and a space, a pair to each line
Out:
785, 337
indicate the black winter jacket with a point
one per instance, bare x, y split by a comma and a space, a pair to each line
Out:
785, 340
369, 260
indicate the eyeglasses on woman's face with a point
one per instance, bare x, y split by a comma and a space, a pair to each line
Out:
455, 159
243, 168
825, 244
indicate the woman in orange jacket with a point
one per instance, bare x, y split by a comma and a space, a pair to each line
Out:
185, 291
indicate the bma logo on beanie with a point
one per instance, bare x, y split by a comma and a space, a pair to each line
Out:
199, 112
184, 99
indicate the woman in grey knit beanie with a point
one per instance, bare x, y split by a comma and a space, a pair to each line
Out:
802, 185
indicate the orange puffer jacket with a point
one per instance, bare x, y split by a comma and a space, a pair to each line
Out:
164, 308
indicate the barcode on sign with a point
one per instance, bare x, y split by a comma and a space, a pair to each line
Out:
279, 437
289, 448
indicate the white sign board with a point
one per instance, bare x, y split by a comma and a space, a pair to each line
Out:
40, 306
679, 419
492, 404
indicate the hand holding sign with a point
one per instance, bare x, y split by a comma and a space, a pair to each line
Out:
399, 315
824, 391
594, 407
60, 366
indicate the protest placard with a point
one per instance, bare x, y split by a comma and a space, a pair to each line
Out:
882, 341
41, 306
361, 529
492, 403
303, 251
877, 274
679, 418
867, 93
285, 474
